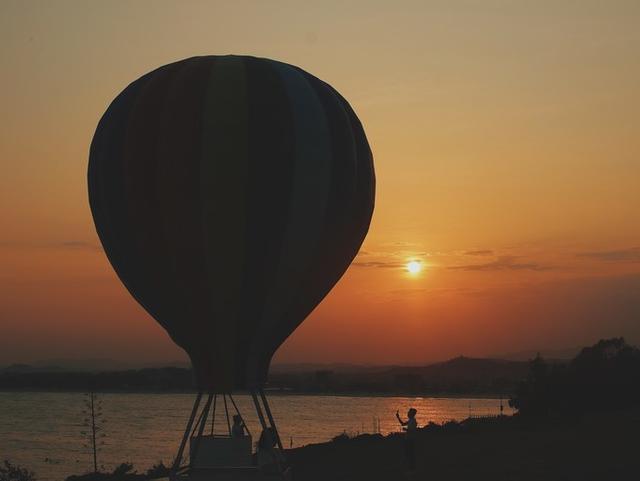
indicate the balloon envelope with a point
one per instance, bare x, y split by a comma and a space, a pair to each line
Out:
230, 194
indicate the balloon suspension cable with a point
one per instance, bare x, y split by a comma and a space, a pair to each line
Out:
203, 421
178, 460
226, 412
213, 413
197, 423
271, 420
280, 460
258, 410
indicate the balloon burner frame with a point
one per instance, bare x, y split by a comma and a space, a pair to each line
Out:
196, 425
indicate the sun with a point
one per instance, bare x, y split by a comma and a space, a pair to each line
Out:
413, 267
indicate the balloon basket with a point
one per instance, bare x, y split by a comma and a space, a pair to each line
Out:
225, 457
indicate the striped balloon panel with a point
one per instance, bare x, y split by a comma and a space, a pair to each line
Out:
230, 195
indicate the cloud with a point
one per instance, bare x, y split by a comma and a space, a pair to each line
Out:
502, 263
396, 259
401, 244
479, 253
434, 290
417, 290
622, 255
382, 264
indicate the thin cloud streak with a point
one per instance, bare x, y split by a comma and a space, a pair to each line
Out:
379, 264
620, 255
479, 253
502, 263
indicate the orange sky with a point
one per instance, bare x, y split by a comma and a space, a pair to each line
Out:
506, 138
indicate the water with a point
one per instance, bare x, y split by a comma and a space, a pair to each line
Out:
41, 431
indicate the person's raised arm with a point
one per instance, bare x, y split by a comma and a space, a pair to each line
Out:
402, 423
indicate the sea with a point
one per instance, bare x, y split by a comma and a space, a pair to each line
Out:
42, 431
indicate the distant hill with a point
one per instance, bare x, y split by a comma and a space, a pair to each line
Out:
311, 367
88, 365
466, 369
461, 375
549, 354
168, 379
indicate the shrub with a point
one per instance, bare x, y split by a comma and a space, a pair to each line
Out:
341, 437
158, 471
11, 472
124, 468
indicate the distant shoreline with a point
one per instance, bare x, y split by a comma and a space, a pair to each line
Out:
282, 393
457, 378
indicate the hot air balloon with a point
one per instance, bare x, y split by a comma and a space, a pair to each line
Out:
230, 194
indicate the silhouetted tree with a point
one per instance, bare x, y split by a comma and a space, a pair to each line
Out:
94, 424
603, 376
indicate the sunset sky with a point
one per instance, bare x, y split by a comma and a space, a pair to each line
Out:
506, 140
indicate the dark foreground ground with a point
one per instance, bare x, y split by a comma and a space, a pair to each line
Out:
602, 446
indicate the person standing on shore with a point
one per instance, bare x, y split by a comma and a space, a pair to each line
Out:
411, 428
